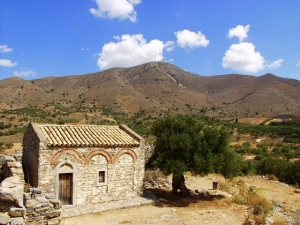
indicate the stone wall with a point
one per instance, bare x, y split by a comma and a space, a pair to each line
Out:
41, 209
124, 167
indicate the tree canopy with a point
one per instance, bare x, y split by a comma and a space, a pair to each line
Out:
186, 144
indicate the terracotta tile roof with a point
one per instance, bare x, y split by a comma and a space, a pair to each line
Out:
89, 135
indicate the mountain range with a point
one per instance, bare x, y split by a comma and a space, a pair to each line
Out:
159, 86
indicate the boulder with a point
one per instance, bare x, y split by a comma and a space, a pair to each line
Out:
37, 190
56, 203
204, 194
41, 199
17, 221
11, 182
26, 196
14, 164
50, 196
54, 221
53, 214
16, 212
30, 203
9, 158
4, 219
11, 190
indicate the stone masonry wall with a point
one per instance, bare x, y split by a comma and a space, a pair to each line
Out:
124, 166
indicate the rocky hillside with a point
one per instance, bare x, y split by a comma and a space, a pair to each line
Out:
156, 87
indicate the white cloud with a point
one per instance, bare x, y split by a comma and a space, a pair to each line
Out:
130, 50
190, 39
7, 63
24, 73
243, 57
298, 63
275, 64
169, 45
122, 9
241, 32
85, 49
5, 49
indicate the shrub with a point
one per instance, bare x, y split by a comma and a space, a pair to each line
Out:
9, 145
12, 118
256, 151
260, 205
258, 157
237, 200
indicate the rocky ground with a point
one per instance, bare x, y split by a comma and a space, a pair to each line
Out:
205, 206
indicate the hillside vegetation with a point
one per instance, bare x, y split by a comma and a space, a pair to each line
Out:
156, 87
271, 147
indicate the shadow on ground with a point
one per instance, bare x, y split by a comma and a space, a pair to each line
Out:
166, 198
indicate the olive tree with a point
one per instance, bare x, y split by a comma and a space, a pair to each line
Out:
183, 144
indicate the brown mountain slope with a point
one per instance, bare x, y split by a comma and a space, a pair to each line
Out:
159, 86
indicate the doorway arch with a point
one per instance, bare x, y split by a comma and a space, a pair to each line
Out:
65, 183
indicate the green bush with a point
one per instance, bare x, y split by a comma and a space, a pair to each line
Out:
258, 157
286, 171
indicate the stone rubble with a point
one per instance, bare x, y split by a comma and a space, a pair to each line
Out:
24, 208
40, 208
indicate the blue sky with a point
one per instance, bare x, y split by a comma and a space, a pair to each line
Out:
64, 37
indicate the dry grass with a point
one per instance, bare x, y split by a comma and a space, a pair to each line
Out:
260, 205
279, 221
244, 194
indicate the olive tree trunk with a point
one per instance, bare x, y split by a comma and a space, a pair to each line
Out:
178, 183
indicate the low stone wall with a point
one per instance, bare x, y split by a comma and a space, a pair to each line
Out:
12, 167
41, 209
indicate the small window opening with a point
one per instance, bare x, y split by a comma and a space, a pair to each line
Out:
101, 177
